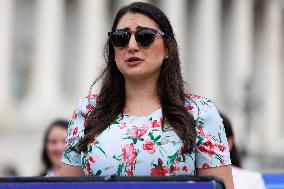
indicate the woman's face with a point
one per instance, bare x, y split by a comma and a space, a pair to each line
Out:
55, 144
150, 58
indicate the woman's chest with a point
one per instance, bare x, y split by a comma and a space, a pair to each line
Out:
137, 147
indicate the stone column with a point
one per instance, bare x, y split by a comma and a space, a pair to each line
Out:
176, 12
203, 54
93, 35
236, 64
44, 99
266, 90
6, 29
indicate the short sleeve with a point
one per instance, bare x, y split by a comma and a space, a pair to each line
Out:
212, 148
75, 132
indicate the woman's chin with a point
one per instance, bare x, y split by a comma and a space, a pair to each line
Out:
134, 75
56, 161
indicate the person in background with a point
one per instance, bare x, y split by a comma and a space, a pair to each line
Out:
143, 123
243, 178
53, 146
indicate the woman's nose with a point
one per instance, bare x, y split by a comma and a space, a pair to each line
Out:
59, 146
132, 45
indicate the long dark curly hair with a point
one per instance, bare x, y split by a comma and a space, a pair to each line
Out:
171, 92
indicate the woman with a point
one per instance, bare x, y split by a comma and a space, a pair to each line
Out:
142, 122
53, 146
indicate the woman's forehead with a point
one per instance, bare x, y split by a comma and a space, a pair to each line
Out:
56, 130
133, 20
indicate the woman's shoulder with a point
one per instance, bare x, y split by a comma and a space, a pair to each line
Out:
199, 105
211, 143
76, 129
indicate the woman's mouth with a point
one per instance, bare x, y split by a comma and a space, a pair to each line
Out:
134, 61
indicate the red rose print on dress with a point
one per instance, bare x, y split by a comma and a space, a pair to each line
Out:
205, 166
129, 154
202, 133
138, 132
221, 147
93, 96
207, 147
174, 167
185, 168
122, 125
160, 169
74, 116
92, 160
155, 123
89, 170
89, 107
149, 146
75, 131
195, 97
130, 172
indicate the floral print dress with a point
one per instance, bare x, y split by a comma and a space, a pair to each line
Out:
137, 145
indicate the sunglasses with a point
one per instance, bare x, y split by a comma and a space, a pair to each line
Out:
144, 36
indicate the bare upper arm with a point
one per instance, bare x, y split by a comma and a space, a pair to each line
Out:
69, 170
224, 173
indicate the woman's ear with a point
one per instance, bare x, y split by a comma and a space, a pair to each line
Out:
167, 48
166, 53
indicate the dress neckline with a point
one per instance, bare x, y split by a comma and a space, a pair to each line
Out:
159, 110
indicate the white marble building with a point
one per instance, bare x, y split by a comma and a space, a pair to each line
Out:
232, 51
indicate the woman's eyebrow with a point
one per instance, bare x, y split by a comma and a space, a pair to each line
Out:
139, 27
126, 28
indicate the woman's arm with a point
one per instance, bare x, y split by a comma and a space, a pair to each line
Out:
224, 173
69, 170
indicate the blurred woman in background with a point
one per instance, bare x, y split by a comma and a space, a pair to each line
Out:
53, 146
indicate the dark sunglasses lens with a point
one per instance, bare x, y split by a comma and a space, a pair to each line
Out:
145, 37
120, 38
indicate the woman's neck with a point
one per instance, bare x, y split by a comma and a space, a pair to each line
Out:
141, 96
55, 169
